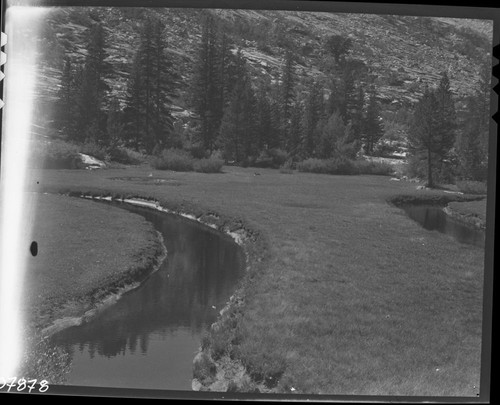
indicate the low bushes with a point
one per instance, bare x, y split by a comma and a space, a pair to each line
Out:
287, 167
208, 165
173, 159
204, 368
59, 154
471, 187
266, 368
344, 166
327, 166
55, 155
376, 168
181, 161
95, 150
272, 158
126, 156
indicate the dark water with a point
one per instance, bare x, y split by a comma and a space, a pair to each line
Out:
434, 218
149, 338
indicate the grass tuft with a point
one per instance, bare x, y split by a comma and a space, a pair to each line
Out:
173, 159
208, 165
343, 166
472, 187
204, 368
55, 155
375, 168
126, 156
263, 367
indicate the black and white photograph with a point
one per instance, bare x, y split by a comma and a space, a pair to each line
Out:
284, 201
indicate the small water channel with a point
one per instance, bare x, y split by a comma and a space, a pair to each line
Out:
433, 217
148, 339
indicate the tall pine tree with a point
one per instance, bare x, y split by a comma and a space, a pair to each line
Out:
313, 112
152, 86
295, 137
65, 114
287, 97
238, 137
335, 138
207, 90
134, 116
264, 119
446, 123
91, 89
372, 129
427, 141
472, 139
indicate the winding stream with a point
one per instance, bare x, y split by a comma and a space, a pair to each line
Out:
148, 339
434, 218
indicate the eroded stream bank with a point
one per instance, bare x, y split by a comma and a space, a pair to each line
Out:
436, 218
443, 212
148, 339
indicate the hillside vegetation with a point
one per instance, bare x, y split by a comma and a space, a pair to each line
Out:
265, 87
400, 50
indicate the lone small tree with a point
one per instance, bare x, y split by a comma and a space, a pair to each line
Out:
447, 121
288, 81
90, 87
372, 127
471, 143
422, 138
339, 46
430, 137
238, 136
313, 111
151, 90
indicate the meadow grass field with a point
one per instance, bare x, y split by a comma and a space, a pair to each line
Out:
345, 293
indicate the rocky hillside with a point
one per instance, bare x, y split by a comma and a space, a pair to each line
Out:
401, 54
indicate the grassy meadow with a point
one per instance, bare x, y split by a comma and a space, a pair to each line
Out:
345, 294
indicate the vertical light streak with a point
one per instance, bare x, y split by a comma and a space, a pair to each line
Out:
21, 28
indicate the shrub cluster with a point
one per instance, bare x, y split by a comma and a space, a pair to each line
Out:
182, 161
377, 168
126, 156
344, 166
287, 167
173, 159
471, 187
272, 158
327, 166
204, 368
59, 154
264, 368
209, 165
95, 150
55, 155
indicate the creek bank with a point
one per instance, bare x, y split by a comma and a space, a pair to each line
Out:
450, 204
64, 287
219, 372
84, 308
40, 357
464, 213
64, 290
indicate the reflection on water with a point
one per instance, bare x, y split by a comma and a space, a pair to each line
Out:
434, 218
148, 339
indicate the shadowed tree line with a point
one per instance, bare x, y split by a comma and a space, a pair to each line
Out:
444, 145
256, 119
